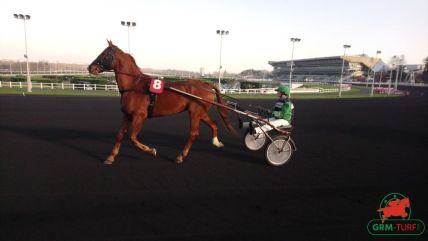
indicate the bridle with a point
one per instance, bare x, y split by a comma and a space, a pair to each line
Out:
105, 61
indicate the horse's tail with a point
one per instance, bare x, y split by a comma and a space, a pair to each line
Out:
224, 112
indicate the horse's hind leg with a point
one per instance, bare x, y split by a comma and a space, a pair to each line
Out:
213, 125
119, 138
137, 124
194, 133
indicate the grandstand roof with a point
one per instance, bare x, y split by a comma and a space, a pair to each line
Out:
370, 62
366, 60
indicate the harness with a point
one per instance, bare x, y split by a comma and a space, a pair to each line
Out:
152, 99
123, 91
146, 90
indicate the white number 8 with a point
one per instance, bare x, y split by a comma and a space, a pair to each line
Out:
157, 84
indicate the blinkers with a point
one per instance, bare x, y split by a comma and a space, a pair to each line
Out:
105, 60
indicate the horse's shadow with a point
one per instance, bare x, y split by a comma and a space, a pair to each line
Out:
72, 139
64, 137
234, 148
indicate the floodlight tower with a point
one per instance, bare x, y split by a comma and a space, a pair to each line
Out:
374, 74
381, 71
293, 40
221, 33
345, 46
390, 75
399, 61
128, 24
25, 18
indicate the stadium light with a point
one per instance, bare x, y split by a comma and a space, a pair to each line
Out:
390, 75
221, 33
128, 24
25, 17
374, 74
293, 40
399, 66
400, 60
345, 46
381, 70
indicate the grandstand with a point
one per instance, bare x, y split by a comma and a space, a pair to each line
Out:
326, 68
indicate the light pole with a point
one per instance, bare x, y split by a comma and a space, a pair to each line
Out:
25, 17
374, 74
401, 69
390, 75
397, 72
293, 40
221, 33
381, 70
345, 46
128, 24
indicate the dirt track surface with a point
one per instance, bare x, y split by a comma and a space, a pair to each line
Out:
54, 186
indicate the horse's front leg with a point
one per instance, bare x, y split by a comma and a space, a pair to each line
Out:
119, 138
194, 133
136, 126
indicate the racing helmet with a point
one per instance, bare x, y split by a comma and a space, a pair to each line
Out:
283, 89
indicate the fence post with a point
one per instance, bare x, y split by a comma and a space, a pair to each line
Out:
20, 84
10, 84
73, 86
51, 86
41, 85
0, 84
62, 85
95, 86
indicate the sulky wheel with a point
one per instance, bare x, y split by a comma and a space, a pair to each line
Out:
254, 142
279, 151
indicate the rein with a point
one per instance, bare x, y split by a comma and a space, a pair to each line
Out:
137, 78
132, 89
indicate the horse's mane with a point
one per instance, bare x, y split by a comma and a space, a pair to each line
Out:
133, 61
130, 56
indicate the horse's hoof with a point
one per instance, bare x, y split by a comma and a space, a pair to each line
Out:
179, 160
217, 143
108, 161
154, 151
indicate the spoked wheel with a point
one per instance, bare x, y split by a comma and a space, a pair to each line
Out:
254, 142
279, 151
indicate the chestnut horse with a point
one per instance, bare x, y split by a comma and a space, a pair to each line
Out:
134, 89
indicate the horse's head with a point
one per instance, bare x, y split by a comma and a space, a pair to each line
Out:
405, 202
104, 61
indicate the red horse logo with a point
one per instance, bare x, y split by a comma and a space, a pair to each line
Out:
395, 208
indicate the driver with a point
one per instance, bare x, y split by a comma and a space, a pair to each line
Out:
282, 112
